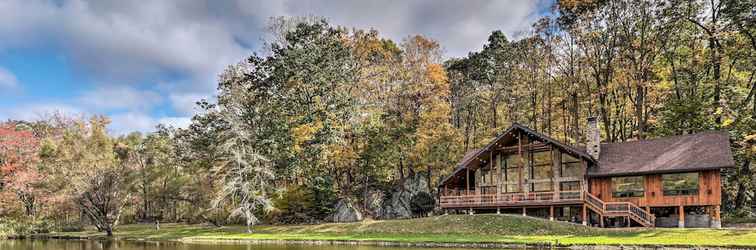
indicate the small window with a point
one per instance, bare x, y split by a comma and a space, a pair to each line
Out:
680, 184
631, 186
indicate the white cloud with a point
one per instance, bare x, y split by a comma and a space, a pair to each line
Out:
119, 97
39, 111
124, 123
7, 79
176, 122
186, 103
151, 53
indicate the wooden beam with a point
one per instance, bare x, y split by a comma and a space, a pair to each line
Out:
491, 167
527, 147
681, 218
522, 163
717, 220
499, 188
467, 179
585, 215
551, 213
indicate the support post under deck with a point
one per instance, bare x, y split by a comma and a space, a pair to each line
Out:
551, 213
681, 218
585, 216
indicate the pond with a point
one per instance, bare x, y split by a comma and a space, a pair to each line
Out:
138, 245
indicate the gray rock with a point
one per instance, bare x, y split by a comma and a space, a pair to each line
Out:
345, 212
397, 206
375, 202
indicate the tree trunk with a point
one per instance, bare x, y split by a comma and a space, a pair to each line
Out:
740, 197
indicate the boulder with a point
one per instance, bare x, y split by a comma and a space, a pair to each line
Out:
397, 204
345, 212
375, 202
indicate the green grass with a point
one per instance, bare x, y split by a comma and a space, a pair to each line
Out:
447, 229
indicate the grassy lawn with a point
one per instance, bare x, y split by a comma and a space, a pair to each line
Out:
447, 229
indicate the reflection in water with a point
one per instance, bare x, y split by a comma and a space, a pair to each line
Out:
135, 245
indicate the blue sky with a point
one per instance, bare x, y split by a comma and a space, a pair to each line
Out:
146, 62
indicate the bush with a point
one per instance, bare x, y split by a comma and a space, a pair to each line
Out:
292, 206
73, 227
323, 196
307, 203
10, 227
422, 203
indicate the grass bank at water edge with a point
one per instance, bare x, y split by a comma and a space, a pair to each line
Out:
462, 229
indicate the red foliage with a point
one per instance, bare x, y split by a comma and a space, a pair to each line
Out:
19, 154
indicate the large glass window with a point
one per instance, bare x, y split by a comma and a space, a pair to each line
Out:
571, 166
541, 170
488, 176
680, 184
631, 186
511, 173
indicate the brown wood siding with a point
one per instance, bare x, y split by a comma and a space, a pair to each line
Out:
709, 192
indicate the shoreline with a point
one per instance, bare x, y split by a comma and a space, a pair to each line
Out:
383, 243
460, 231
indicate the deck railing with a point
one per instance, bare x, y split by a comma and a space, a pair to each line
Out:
621, 209
504, 199
464, 199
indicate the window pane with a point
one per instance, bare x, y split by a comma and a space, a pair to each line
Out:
541, 165
542, 186
631, 186
542, 172
541, 158
569, 186
680, 184
512, 164
511, 188
571, 166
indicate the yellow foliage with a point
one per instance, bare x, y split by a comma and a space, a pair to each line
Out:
304, 133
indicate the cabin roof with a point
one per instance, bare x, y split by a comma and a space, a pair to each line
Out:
674, 154
475, 153
683, 153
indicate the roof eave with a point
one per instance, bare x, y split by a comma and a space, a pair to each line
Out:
666, 171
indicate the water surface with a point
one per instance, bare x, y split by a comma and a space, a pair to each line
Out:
136, 245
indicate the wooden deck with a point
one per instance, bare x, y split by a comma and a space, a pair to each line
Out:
511, 199
603, 209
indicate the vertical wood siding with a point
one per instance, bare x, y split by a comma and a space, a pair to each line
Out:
709, 192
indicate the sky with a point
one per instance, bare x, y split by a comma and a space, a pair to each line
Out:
143, 63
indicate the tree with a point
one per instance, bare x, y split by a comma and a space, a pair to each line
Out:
94, 171
19, 155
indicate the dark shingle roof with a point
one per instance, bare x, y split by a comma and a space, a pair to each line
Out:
702, 151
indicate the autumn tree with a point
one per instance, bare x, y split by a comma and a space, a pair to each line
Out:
93, 170
19, 174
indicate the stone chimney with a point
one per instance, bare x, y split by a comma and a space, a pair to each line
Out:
593, 138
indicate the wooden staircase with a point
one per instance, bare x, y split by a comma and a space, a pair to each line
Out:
620, 209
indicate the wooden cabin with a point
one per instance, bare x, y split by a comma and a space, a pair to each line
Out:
666, 182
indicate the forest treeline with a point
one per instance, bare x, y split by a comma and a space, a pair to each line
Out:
325, 113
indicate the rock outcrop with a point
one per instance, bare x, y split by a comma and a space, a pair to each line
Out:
345, 212
396, 204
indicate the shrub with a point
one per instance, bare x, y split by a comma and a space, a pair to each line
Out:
323, 196
422, 203
292, 206
10, 227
